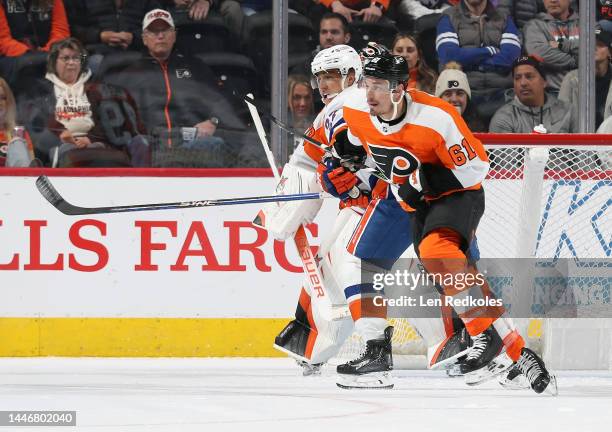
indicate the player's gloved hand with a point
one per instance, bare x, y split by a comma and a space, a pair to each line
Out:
412, 192
336, 180
361, 201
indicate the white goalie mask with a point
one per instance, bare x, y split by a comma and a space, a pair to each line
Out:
339, 57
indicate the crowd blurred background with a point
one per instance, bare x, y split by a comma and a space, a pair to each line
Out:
160, 83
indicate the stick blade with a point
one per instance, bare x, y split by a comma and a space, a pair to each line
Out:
48, 191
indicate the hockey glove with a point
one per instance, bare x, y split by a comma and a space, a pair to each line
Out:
412, 191
361, 201
336, 180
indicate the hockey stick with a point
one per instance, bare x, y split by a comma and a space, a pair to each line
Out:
374, 171
309, 260
51, 194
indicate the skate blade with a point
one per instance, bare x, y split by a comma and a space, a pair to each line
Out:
519, 383
552, 388
371, 381
290, 353
497, 366
448, 363
454, 371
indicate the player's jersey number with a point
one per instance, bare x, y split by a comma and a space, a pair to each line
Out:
461, 153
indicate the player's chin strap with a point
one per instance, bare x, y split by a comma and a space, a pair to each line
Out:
395, 105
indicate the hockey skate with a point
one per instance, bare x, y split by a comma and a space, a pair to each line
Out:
449, 353
532, 367
372, 369
486, 358
292, 340
514, 380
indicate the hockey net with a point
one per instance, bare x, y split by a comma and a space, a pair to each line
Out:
546, 197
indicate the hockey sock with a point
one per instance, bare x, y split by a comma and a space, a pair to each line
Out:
441, 255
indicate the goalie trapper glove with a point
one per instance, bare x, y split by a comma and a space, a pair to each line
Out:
336, 180
411, 192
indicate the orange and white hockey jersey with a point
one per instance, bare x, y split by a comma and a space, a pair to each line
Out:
431, 137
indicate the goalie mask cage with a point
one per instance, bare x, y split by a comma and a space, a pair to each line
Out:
547, 196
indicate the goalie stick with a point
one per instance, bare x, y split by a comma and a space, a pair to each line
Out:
309, 260
374, 171
47, 190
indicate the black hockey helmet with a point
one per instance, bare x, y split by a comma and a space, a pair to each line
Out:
372, 50
390, 67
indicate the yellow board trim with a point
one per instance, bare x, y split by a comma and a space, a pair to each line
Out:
139, 337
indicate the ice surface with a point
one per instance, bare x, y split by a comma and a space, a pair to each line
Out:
271, 395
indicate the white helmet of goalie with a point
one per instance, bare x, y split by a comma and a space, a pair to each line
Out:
339, 57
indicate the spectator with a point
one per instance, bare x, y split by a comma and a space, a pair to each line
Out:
81, 121
553, 36
370, 11
532, 109
27, 31
417, 9
453, 87
107, 26
422, 77
485, 42
198, 10
333, 30
603, 82
301, 104
15, 143
176, 98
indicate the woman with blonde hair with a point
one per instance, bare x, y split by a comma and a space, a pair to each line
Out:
15, 144
301, 103
422, 77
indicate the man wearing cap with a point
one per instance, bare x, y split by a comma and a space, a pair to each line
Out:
532, 109
176, 95
603, 80
453, 86
553, 35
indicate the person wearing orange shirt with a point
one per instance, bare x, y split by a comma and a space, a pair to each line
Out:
27, 31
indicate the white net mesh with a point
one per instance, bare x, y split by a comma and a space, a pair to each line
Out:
540, 201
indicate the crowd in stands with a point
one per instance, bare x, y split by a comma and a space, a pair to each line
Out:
160, 83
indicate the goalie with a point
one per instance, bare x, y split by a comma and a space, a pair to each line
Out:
370, 233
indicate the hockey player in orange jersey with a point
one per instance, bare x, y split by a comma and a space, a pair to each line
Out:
423, 146
311, 338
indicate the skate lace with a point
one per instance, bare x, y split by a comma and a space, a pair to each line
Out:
479, 345
530, 367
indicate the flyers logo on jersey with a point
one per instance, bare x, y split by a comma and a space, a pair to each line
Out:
397, 163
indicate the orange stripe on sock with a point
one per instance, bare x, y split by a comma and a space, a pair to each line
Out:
355, 308
514, 344
475, 326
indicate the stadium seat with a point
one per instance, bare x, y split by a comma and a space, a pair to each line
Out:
210, 35
381, 32
257, 40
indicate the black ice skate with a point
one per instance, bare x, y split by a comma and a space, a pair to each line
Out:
485, 359
371, 369
449, 353
514, 380
292, 340
532, 366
